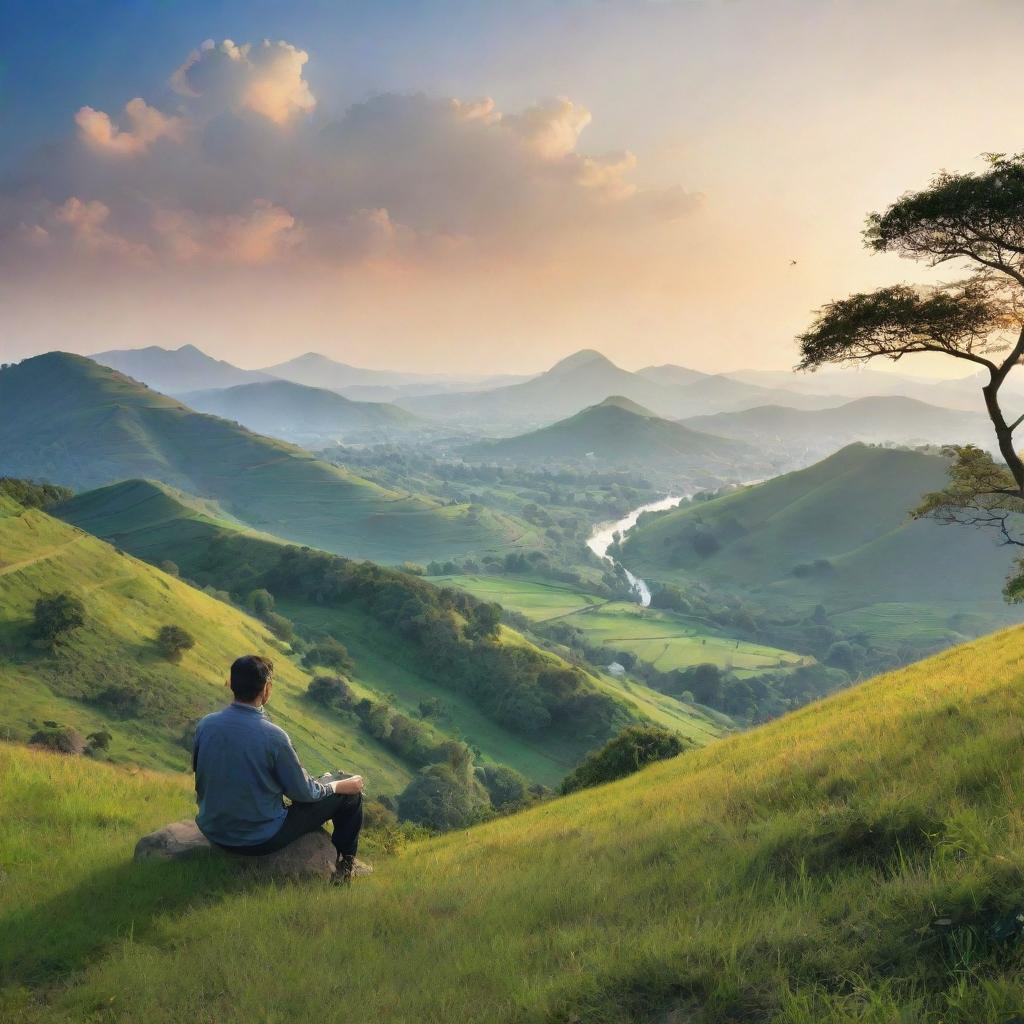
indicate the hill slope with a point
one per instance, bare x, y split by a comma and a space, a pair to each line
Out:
176, 370
155, 523
300, 413
851, 512
884, 418
857, 861
618, 431
72, 421
127, 602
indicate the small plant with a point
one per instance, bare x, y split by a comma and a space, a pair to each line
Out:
62, 739
173, 642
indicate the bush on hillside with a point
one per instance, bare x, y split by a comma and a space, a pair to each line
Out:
329, 653
281, 627
59, 738
634, 747
171, 568
260, 601
331, 692
54, 618
437, 799
121, 701
172, 642
507, 789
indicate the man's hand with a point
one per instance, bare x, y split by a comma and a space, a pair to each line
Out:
350, 786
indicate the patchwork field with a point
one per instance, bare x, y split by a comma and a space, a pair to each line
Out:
662, 639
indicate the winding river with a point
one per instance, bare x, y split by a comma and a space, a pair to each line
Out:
603, 535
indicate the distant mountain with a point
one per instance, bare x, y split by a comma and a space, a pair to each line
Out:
586, 378
668, 373
320, 371
889, 418
176, 370
837, 534
301, 414
618, 432
66, 419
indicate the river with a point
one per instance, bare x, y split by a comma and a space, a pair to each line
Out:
603, 535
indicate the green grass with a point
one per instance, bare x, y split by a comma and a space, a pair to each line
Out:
127, 601
842, 864
71, 421
661, 638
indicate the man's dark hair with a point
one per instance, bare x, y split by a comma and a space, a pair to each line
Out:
249, 674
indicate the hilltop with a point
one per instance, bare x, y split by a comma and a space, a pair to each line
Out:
874, 838
176, 370
619, 432
69, 420
586, 378
838, 534
297, 412
320, 371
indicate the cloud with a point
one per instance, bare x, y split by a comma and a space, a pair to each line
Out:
146, 124
266, 79
238, 174
261, 234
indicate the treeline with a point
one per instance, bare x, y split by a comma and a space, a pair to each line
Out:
30, 494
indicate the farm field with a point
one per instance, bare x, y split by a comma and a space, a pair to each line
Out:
658, 637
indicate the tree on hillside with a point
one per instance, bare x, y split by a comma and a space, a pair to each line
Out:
173, 641
54, 618
439, 799
976, 223
634, 747
329, 653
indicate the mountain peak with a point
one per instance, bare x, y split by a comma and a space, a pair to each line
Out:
585, 357
627, 404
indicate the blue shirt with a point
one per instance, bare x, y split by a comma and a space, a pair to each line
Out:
244, 765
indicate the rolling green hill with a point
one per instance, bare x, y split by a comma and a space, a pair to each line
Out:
619, 432
112, 664
72, 421
157, 524
837, 533
859, 861
300, 413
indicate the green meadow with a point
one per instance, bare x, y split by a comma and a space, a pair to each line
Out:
660, 638
857, 861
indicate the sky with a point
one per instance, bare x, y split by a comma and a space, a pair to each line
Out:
474, 186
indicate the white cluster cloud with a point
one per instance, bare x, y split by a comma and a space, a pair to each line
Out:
266, 79
240, 172
146, 124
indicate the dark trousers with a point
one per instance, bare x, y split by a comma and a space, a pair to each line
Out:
344, 810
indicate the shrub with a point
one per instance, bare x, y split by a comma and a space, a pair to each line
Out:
98, 741
121, 701
281, 627
634, 747
62, 739
54, 618
507, 789
260, 601
331, 692
437, 799
171, 568
329, 653
173, 642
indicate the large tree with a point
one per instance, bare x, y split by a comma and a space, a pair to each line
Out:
975, 223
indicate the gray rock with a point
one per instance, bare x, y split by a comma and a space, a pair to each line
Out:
310, 856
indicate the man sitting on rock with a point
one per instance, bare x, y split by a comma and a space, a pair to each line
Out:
244, 765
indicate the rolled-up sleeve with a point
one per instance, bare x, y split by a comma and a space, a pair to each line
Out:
296, 782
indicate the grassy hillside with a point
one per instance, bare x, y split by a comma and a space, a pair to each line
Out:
300, 413
72, 421
857, 861
837, 533
618, 432
158, 524
127, 602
